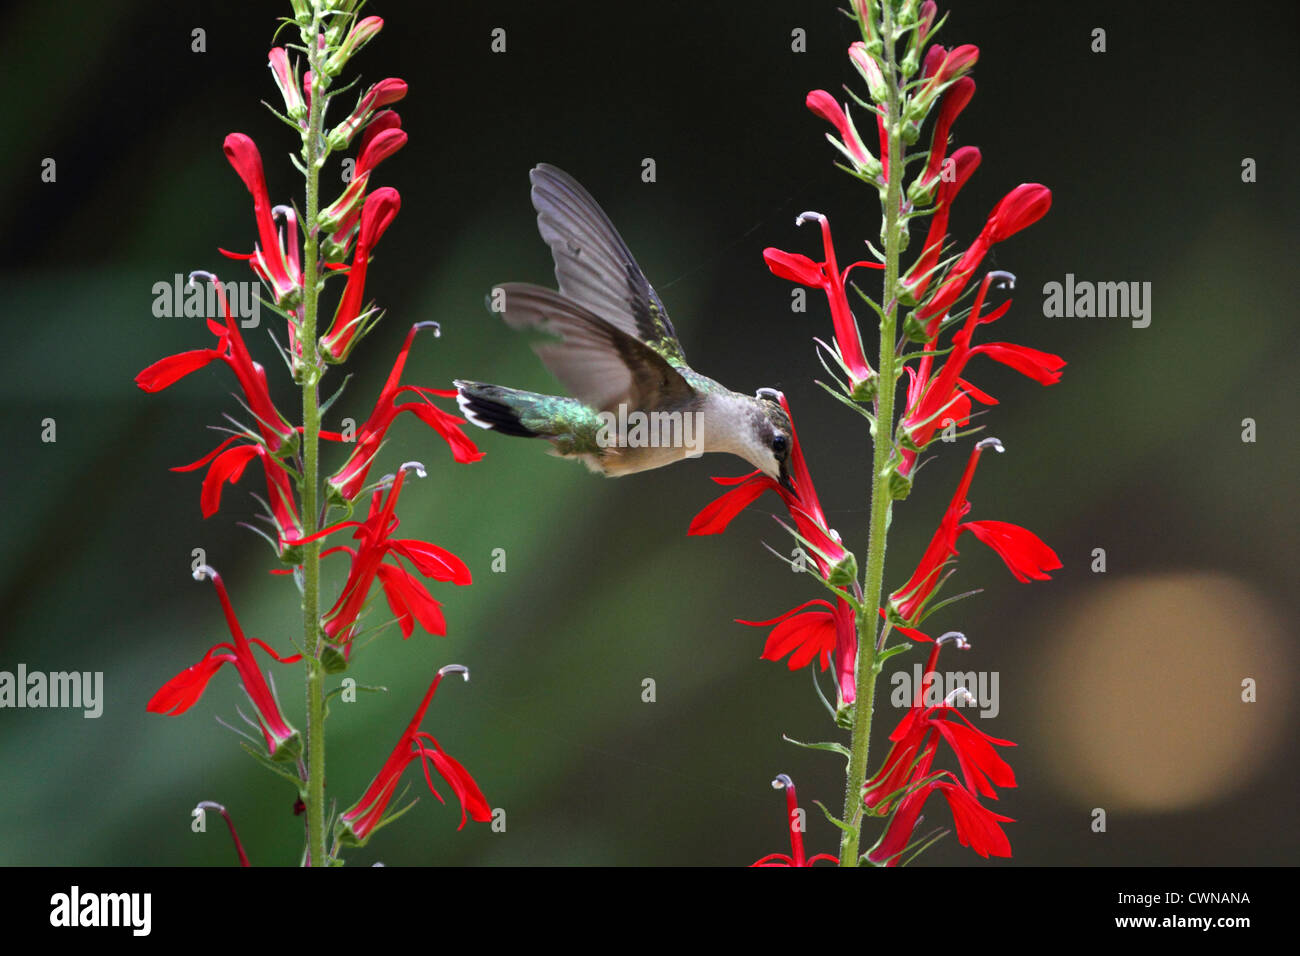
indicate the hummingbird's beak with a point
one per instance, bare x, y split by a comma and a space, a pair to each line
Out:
783, 479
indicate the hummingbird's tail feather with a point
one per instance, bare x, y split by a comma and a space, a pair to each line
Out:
496, 408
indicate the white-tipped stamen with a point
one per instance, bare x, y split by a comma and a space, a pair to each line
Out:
782, 782
460, 669
437, 329
414, 466
989, 443
958, 640
203, 274
1002, 279
203, 572
771, 394
803, 217
960, 692
285, 211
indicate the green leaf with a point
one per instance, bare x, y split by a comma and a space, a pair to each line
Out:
830, 745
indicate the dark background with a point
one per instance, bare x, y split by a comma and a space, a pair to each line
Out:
1122, 689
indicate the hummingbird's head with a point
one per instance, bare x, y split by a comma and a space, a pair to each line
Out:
772, 439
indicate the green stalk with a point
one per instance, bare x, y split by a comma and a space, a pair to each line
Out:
881, 500
314, 158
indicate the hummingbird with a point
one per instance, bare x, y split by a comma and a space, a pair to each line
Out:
634, 402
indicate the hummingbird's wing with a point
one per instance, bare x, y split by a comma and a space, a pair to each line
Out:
598, 363
594, 266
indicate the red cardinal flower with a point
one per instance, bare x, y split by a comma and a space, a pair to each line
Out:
1023, 552
345, 483
349, 323
827, 276
409, 600
357, 823
269, 258
934, 399
226, 463
181, 692
811, 635
230, 349
795, 821
906, 780
1018, 209
954, 101
965, 161
382, 138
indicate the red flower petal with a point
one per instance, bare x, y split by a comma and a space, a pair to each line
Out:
1023, 552
717, 514
167, 371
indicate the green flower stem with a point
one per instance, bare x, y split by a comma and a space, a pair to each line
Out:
313, 155
881, 500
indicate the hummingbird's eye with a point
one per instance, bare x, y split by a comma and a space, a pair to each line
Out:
780, 445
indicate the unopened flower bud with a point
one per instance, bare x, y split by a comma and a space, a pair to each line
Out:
867, 66
361, 33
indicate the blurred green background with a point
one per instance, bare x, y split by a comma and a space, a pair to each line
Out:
1122, 689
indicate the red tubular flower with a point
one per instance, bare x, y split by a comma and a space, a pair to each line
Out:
1023, 552
954, 101
933, 399
827, 276
905, 780
376, 216
357, 823
809, 636
1021, 207
383, 93
941, 66
269, 258
345, 484
230, 349
382, 138
409, 600
965, 161
181, 692
227, 464
794, 820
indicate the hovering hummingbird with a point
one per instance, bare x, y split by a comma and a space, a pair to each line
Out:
636, 404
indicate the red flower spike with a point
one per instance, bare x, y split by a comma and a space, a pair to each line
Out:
359, 822
181, 692
346, 483
794, 820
